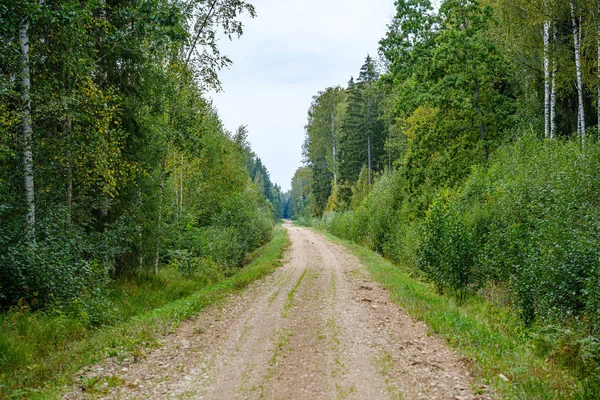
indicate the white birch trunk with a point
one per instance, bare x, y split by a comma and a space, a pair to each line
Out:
553, 104
160, 205
68, 127
181, 189
547, 79
140, 233
553, 93
27, 132
333, 148
576, 41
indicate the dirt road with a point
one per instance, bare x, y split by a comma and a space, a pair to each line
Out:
318, 328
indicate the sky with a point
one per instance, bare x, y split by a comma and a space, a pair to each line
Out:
292, 50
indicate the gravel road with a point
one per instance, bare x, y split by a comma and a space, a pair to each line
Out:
317, 328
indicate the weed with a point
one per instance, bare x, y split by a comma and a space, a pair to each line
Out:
290, 297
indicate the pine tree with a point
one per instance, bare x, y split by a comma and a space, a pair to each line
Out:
363, 135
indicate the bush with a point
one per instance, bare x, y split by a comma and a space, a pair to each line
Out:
52, 270
530, 221
244, 223
446, 250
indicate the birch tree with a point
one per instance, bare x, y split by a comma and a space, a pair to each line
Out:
553, 103
576, 22
321, 143
547, 89
27, 131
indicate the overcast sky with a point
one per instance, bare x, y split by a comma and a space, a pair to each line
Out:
289, 52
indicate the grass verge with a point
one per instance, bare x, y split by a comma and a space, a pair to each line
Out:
48, 349
500, 350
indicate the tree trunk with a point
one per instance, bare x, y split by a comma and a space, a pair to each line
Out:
576, 41
104, 213
369, 156
553, 104
163, 173
598, 104
27, 132
389, 148
369, 136
140, 233
553, 93
333, 148
181, 189
481, 124
547, 79
69, 177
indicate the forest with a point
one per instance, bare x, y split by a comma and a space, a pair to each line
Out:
113, 159
467, 152
120, 188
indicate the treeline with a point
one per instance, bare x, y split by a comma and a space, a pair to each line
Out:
469, 154
112, 160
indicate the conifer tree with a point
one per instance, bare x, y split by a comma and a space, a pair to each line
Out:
363, 134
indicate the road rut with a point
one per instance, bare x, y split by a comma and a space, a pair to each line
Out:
317, 328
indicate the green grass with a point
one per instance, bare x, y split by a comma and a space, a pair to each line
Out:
289, 302
40, 352
493, 340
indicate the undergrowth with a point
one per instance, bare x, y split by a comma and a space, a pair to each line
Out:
492, 338
40, 351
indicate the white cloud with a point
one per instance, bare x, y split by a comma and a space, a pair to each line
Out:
292, 50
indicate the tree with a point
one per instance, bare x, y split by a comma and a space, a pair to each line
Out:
27, 133
132, 163
547, 91
301, 188
452, 103
203, 60
576, 19
363, 134
321, 143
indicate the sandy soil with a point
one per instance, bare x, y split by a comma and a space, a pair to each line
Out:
318, 328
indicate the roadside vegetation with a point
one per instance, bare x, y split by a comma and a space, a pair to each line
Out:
125, 205
469, 157
43, 349
504, 354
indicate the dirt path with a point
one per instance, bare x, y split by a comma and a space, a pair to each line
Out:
318, 328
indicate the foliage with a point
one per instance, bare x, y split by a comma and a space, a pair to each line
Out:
526, 227
321, 144
445, 254
43, 349
539, 363
132, 165
534, 211
470, 199
362, 137
301, 191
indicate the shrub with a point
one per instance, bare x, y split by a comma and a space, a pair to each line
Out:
446, 250
52, 270
533, 217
